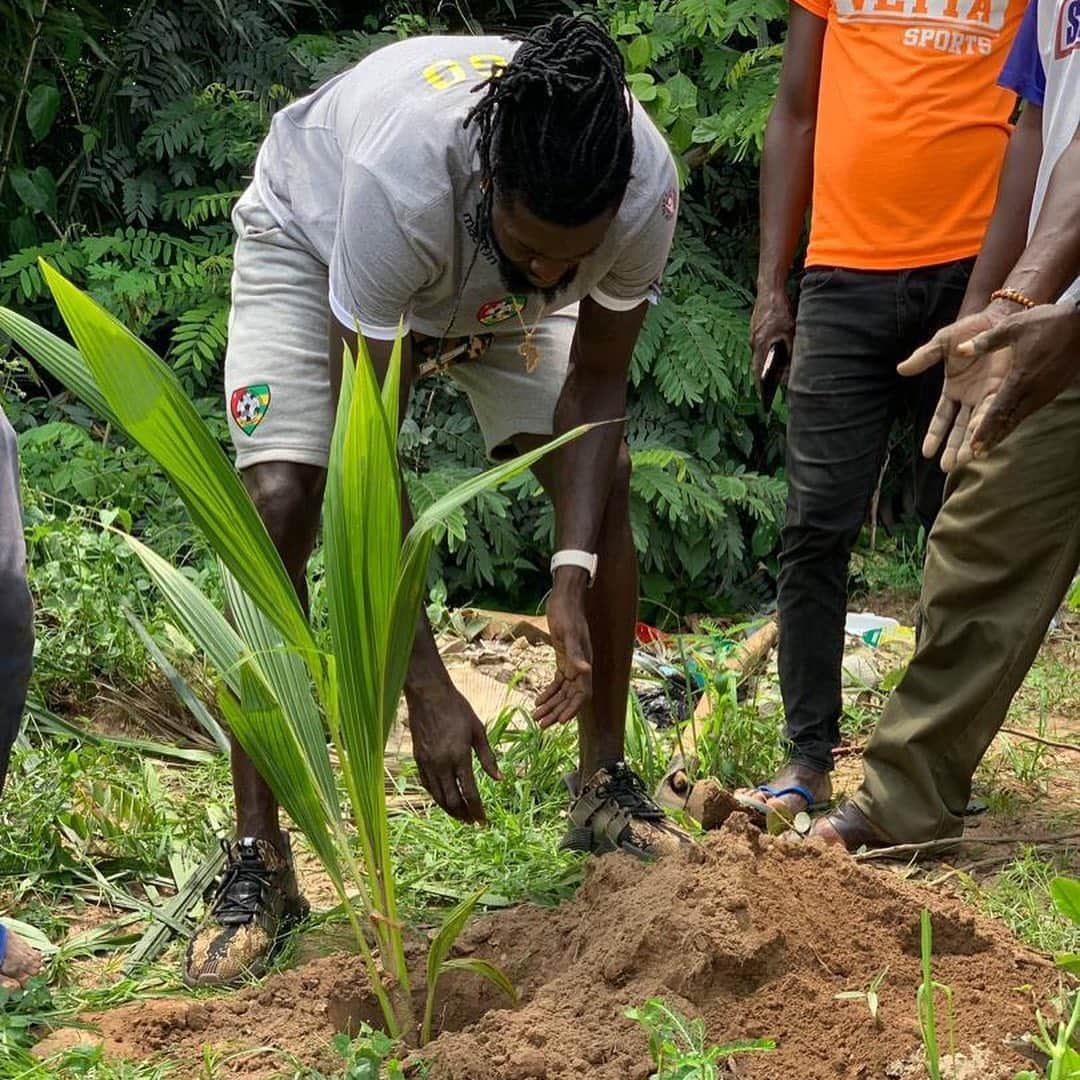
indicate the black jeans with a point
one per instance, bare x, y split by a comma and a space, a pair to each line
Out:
853, 328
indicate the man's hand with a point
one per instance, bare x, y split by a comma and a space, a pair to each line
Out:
1045, 347
446, 732
968, 382
571, 689
772, 321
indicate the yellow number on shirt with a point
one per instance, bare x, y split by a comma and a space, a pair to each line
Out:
444, 73
484, 62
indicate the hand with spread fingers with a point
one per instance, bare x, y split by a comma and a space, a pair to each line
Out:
1044, 344
571, 689
969, 381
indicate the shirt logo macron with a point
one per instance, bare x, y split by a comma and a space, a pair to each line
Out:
1068, 31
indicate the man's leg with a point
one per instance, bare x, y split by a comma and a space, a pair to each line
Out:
1001, 557
841, 397
277, 382
18, 962
289, 499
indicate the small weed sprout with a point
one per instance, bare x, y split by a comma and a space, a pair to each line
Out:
869, 995
677, 1045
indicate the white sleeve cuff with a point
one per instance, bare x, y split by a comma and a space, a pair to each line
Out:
369, 330
618, 303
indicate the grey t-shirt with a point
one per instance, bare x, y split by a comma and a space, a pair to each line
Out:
376, 176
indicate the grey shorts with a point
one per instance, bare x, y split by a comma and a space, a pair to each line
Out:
277, 382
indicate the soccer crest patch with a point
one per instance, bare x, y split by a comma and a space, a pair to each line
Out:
248, 405
497, 311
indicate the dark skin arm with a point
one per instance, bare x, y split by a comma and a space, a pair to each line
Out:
1044, 343
445, 729
1004, 243
595, 390
1005, 363
1051, 261
787, 171
1006, 234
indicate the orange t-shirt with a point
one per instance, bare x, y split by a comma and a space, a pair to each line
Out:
911, 129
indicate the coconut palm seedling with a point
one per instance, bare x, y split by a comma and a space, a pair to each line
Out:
280, 691
924, 999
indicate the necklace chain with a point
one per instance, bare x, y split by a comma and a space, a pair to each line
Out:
528, 348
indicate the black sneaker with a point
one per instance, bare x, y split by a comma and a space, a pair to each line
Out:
257, 902
615, 812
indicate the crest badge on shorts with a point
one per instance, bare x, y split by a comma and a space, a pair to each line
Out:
248, 405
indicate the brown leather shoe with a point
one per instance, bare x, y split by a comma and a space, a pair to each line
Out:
848, 827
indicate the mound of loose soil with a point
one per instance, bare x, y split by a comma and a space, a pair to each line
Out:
755, 936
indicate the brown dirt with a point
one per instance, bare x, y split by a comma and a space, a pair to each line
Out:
752, 934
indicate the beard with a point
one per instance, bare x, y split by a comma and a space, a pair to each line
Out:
517, 281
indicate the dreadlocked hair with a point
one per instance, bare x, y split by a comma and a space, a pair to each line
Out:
555, 126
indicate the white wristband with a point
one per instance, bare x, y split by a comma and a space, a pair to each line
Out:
570, 557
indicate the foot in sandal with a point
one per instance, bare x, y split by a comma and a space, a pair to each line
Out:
796, 789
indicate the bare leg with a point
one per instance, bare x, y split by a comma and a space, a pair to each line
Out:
288, 497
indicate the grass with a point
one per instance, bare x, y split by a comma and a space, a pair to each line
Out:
1019, 896
171, 815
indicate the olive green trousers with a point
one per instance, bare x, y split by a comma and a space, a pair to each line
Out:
1000, 559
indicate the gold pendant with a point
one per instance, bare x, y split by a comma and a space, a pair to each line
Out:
530, 353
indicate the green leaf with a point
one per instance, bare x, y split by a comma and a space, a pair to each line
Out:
31, 935
41, 109
639, 53
494, 975
642, 86
264, 732
1066, 896
184, 692
200, 620
153, 409
1069, 962
289, 679
439, 950
36, 189
58, 358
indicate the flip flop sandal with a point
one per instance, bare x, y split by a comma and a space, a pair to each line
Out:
759, 807
776, 821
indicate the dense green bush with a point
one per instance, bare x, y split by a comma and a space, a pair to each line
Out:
127, 131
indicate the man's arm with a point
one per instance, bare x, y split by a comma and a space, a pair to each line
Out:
787, 170
444, 727
1005, 363
1007, 231
1051, 261
595, 391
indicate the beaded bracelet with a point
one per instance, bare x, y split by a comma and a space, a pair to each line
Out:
1015, 296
